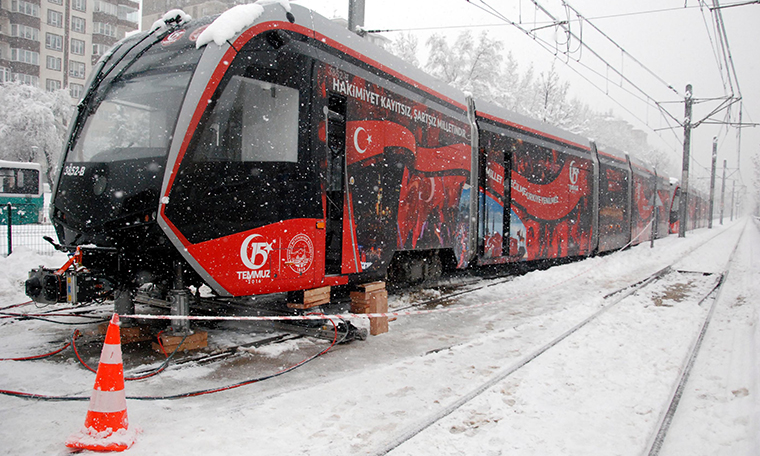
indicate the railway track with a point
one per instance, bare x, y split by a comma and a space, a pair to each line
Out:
424, 377
710, 290
658, 437
454, 289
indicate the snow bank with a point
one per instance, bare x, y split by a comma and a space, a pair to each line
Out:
16, 269
597, 393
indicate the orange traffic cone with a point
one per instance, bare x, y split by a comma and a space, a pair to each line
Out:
106, 427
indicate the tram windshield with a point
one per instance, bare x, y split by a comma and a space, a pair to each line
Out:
135, 120
134, 111
123, 133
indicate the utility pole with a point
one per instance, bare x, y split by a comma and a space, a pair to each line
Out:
723, 192
712, 181
355, 14
654, 212
683, 209
733, 192
739, 137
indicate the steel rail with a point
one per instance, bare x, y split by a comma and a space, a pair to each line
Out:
658, 438
622, 294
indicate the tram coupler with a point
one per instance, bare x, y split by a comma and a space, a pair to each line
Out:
47, 286
73, 282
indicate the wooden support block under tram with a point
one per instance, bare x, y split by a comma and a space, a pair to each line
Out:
372, 299
307, 299
129, 334
194, 341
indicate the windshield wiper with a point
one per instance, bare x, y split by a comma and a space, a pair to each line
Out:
89, 103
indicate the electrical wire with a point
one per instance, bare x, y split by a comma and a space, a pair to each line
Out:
12, 306
36, 357
614, 43
649, 100
500, 24
729, 78
245, 382
24, 316
64, 323
543, 43
716, 53
727, 55
149, 374
43, 397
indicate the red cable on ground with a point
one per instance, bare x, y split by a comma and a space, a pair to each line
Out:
76, 352
16, 305
162, 366
29, 358
161, 344
24, 395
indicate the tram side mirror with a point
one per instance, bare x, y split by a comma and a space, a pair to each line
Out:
290, 17
277, 39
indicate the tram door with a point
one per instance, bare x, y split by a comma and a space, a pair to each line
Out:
335, 122
495, 196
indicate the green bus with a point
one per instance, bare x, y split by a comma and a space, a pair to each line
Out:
21, 186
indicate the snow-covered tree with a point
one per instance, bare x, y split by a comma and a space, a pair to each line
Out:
516, 88
405, 47
33, 124
471, 65
550, 103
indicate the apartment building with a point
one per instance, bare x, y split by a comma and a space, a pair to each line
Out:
53, 44
155, 9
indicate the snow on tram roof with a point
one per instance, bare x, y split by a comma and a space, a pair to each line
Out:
236, 19
499, 114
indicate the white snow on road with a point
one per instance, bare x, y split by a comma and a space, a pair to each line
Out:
601, 391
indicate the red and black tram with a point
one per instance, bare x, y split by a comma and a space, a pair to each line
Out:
297, 155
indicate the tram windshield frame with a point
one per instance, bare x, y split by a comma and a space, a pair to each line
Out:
132, 113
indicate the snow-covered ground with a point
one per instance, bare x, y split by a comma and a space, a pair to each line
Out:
601, 391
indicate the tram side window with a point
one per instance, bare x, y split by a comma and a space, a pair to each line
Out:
248, 164
254, 121
270, 122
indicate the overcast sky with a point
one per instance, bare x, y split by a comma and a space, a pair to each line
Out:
669, 37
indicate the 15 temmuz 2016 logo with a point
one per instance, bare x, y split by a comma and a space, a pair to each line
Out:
254, 252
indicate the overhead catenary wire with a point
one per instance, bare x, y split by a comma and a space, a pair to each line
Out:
729, 77
716, 53
637, 61
566, 24
644, 96
501, 24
